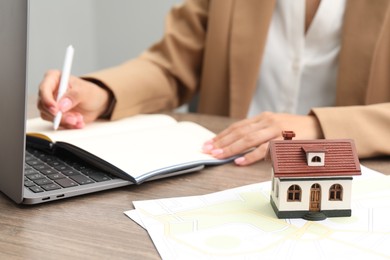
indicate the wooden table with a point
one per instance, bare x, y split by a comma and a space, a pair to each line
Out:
94, 226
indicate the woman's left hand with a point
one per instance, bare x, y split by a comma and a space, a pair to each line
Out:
254, 134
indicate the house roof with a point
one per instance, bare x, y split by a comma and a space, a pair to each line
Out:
289, 158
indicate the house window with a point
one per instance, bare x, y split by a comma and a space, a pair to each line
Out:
336, 192
294, 193
316, 159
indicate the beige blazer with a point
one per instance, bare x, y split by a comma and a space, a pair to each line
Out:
214, 48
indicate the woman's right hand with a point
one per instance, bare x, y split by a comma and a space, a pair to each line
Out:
82, 103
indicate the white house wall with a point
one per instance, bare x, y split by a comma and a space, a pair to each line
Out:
275, 191
283, 205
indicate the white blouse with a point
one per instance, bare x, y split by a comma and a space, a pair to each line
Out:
299, 70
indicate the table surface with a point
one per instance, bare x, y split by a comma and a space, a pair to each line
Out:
94, 226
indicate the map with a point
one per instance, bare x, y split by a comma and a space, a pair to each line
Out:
240, 224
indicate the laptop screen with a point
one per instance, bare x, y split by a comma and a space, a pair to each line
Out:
13, 53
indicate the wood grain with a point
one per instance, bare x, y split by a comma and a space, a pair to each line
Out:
94, 226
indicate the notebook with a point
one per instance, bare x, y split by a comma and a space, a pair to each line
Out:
29, 174
137, 148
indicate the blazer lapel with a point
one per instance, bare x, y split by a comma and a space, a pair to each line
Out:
363, 21
251, 19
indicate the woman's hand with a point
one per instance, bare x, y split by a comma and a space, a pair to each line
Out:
254, 134
82, 103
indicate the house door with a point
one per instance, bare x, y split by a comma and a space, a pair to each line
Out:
315, 197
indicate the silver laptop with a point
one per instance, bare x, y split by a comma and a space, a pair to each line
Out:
31, 175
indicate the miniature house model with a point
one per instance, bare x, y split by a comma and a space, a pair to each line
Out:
312, 179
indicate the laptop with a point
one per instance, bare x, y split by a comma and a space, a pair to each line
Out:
29, 174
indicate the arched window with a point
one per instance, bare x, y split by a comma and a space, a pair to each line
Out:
316, 159
336, 192
294, 193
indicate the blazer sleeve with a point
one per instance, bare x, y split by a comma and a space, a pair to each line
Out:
368, 125
167, 74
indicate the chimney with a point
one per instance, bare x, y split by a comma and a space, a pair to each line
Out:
288, 135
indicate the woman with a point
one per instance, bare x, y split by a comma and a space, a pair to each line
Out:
320, 68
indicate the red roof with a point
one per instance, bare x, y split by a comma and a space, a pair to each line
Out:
289, 158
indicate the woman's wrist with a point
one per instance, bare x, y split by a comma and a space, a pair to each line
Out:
110, 98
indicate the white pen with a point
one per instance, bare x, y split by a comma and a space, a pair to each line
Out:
64, 82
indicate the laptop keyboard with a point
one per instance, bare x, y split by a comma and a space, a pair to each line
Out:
46, 172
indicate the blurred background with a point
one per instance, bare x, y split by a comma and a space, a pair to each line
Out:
103, 32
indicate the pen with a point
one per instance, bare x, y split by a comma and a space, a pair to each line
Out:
64, 82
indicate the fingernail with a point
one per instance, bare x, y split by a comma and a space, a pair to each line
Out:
65, 104
80, 118
216, 152
80, 125
70, 120
207, 147
80, 121
239, 160
209, 141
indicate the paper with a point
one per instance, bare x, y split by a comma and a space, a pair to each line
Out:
240, 224
143, 146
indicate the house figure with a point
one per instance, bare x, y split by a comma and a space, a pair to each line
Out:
312, 179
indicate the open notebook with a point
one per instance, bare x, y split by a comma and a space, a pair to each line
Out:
136, 148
